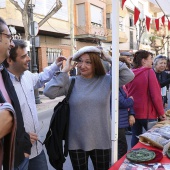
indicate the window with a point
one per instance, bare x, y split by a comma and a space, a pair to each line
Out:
120, 23
131, 39
96, 15
52, 54
131, 23
108, 21
81, 17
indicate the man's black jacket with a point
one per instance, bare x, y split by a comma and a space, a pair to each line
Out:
22, 142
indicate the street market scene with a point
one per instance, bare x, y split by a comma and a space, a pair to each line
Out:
85, 84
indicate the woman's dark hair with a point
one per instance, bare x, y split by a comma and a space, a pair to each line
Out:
138, 56
98, 68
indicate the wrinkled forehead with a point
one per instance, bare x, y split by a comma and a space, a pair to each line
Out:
160, 60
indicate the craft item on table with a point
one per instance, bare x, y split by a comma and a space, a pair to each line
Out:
135, 166
168, 153
140, 155
168, 113
162, 123
154, 139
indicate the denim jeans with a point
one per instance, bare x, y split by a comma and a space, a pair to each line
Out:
137, 129
37, 163
23, 165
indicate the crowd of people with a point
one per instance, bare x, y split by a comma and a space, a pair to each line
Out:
90, 102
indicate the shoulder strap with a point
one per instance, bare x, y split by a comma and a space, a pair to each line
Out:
70, 89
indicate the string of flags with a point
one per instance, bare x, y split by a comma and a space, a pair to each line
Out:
147, 19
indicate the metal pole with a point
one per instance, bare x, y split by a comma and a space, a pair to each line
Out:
115, 78
168, 47
72, 26
34, 65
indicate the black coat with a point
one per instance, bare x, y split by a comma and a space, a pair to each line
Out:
22, 142
164, 80
58, 132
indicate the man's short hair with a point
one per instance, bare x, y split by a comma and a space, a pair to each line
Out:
2, 22
13, 52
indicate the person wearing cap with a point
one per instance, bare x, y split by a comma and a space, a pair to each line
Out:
159, 66
126, 56
90, 121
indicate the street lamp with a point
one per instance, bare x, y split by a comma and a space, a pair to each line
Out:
33, 54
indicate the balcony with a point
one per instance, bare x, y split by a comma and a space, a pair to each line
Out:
89, 34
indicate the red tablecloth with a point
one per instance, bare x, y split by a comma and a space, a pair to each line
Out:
138, 145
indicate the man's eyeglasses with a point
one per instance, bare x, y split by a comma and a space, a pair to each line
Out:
9, 36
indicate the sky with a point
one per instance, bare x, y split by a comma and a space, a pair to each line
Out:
165, 5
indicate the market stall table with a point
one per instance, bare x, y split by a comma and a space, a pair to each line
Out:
117, 164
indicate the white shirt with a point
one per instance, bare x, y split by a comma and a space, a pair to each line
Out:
24, 88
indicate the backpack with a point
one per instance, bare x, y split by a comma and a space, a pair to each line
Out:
58, 131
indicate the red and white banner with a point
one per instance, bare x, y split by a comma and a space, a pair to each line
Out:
148, 20
136, 15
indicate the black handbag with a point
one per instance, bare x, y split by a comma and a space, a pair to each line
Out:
58, 132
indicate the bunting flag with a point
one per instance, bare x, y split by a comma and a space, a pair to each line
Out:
136, 15
157, 24
148, 22
163, 20
168, 25
123, 1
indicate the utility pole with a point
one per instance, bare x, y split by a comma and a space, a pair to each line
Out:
33, 54
72, 26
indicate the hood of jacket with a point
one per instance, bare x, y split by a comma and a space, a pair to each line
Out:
139, 71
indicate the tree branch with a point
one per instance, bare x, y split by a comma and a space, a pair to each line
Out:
15, 3
53, 11
26, 5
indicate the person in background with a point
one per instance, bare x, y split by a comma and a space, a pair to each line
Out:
144, 88
126, 119
159, 66
24, 83
126, 57
90, 120
8, 103
73, 72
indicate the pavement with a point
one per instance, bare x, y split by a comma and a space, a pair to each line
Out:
47, 104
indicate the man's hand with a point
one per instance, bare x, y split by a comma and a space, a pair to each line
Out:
69, 66
6, 123
33, 137
26, 155
59, 60
131, 120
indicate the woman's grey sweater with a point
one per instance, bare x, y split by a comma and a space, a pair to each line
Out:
90, 121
